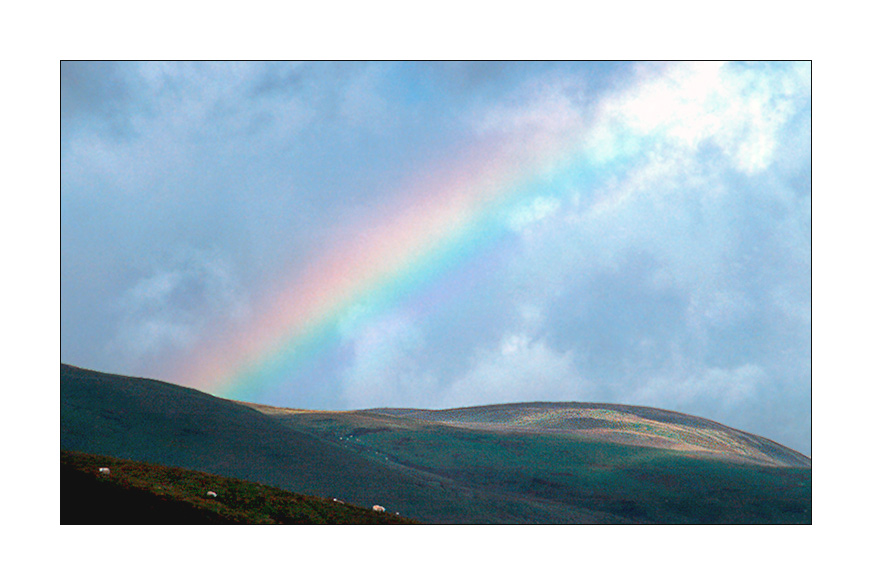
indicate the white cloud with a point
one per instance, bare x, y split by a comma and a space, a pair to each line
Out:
679, 102
385, 352
540, 208
520, 369
740, 110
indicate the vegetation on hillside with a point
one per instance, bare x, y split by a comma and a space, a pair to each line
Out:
434, 471
563, 472
140, 493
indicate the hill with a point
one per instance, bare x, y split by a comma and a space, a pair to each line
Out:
156, 422
141, 493
521, 463
618, 423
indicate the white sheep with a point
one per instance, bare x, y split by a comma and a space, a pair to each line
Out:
378, 508
104, 470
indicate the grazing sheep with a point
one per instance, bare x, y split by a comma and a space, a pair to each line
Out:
104, 470
378, 508
211, 494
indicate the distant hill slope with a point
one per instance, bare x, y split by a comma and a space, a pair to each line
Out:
632, 425
521, 463
141, 493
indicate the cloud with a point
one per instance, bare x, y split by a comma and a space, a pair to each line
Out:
169, 310
519, 369
739, 109
691, 387
680, 202
384, 367
363, 104
661, 244
98, 96
535, 211
538, 107
746, 396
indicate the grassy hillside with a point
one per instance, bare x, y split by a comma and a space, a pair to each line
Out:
155, 422
617, 423
540, 463
141, 493
610, 481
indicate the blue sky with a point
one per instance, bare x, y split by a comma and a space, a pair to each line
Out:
664, 261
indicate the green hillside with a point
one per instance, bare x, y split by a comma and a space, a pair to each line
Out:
526, 463
563, 471
156, 422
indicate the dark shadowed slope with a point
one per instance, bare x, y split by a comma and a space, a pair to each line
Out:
142, 493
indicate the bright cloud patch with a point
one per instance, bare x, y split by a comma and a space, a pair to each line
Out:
520, 369
537, 210
383, 363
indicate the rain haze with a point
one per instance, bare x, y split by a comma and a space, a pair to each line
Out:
436, 234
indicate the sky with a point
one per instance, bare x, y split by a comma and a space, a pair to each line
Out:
341, 235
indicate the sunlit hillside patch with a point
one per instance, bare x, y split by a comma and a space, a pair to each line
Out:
622, 424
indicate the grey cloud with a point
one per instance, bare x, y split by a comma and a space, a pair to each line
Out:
722, 394
614, 316
279, 78
98, 95
170, 309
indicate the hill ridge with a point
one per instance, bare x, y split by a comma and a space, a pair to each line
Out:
570, 464
759, 449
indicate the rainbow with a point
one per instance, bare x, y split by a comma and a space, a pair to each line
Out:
451, 219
